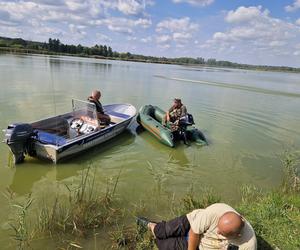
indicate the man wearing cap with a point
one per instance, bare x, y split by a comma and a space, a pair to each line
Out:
95, 98
218, 226
174, 114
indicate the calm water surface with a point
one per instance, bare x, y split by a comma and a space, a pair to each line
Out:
248, 117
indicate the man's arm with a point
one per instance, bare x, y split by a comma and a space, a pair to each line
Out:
168, 116
183, 111
193, 241
168, 113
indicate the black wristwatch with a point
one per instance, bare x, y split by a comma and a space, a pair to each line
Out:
232, 247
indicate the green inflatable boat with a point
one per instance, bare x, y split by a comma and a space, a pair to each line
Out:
150, 118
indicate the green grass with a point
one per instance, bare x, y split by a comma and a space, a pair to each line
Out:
275, 217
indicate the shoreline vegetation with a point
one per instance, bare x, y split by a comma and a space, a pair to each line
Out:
55, 47
81, 211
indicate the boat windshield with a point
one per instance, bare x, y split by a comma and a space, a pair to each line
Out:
84, 109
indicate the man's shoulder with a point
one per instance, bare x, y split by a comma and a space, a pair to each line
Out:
90, 99
220, 208
247, 241
216, 208
171, 109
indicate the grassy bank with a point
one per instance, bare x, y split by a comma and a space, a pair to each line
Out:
83, 211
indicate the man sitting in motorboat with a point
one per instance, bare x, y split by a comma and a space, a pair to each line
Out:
177, 111
95, 98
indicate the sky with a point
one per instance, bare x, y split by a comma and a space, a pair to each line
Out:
244, 31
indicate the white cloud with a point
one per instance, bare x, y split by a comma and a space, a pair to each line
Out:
177, 31
164, 46
77, 30
127, 7
132, 7
173, 24
246, 14
122, 25
293, 7
18, 11
297, 53
146, 39
103, 38
298, 21
253, 30
163, 39
195, 2
77, 5
71, 20
181, 37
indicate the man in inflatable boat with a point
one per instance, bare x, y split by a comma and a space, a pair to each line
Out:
95, 98
218, 226
177, 111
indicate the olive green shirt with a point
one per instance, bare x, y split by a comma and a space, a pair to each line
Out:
177, 113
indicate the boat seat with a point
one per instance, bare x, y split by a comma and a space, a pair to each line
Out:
48, 138
57, 125
119, 115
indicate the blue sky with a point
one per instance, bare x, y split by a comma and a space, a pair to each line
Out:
256, 32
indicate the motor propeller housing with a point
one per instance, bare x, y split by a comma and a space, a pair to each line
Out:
18, 137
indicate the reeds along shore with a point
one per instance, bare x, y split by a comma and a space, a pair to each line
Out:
80, 211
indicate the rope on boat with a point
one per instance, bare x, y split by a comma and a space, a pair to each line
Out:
54, 100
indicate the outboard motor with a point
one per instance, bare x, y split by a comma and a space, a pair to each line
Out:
187, 120
184, 122
18, 138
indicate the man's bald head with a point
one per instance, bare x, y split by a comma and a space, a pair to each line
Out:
96, 94
230, 225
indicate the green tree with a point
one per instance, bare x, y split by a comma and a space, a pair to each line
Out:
105, 51
109, 52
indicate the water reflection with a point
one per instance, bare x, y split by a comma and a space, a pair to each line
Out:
23, 182
175, 155
86, 65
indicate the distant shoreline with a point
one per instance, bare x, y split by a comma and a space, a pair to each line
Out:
46, 52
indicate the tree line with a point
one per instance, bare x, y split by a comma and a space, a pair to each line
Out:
56, 46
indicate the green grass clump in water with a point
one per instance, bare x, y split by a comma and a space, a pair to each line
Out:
19, 226
85, 210
82, 211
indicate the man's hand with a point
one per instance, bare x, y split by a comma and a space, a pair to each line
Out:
193, 241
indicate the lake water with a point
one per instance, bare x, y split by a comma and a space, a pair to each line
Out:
249, 118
